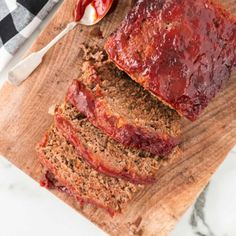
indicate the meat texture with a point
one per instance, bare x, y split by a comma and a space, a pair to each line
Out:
105, 154
123, 110
182, 51
68, 171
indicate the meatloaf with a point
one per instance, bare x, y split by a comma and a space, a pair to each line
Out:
79, 179
105, 154
182, 51
123, 110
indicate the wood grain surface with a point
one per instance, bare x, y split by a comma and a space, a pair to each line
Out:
154, 211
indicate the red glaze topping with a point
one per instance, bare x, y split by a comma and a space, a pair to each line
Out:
129, 135
183, 51
52, 181
101, 7
70, 133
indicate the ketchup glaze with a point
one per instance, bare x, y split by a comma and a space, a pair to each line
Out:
100, 6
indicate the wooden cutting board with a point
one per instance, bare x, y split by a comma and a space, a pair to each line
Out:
154, 211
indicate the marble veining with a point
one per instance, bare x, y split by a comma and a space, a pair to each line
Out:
198, 219
27, 206
214, 212
27, 209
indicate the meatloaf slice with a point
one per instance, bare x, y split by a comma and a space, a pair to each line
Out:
182, 51
79, 179
124, 110
105, 154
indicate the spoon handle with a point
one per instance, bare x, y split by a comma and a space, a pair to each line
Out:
24, 68
68, 28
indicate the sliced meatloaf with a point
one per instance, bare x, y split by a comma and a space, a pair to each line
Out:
182, 51
124, 110
79, 179
105, 154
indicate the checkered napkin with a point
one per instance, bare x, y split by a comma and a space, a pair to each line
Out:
18, 19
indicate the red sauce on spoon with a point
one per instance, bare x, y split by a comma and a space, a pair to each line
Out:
101, 7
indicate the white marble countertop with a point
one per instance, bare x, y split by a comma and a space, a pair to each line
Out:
26, 209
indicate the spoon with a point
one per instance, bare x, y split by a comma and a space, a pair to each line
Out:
87, 12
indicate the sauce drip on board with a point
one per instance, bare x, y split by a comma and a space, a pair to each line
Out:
101, 7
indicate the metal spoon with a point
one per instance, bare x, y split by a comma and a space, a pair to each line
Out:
24, 68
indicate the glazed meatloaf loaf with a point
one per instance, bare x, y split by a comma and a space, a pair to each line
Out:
182, 51
105, 154
79, 179
123, 110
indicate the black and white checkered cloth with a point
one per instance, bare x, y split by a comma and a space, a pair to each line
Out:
18, 19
